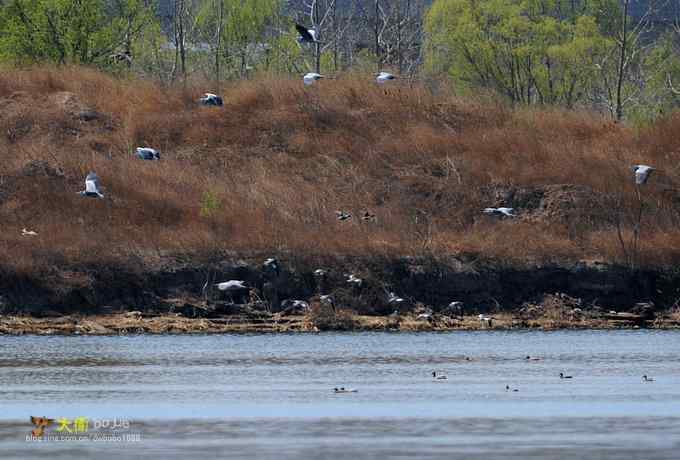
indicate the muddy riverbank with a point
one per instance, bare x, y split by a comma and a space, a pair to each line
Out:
138, 323
304, 293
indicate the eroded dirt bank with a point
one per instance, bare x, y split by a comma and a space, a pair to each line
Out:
394, 294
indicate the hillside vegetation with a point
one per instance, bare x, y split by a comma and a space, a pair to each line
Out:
266, 173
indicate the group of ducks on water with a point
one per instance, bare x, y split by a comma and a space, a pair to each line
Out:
440, 377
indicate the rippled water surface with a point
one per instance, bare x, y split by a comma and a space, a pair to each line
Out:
270, 396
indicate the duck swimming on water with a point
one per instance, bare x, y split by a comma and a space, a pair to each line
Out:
647, 379
562, 376
439, 377
344, 390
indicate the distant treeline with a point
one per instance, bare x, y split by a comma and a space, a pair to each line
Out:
615, 56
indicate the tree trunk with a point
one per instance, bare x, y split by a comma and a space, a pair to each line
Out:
622, 61
178, 29
317, 46
218, 41
335, 37
400, 57
376, 33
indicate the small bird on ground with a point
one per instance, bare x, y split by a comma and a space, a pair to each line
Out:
327, 299
563, 376
351, 279
25, 232
647, 379
294, 305
311, 78
231, 285
273, 265
439, 376
306, 35
343, 215
211, 99
92, 186
384, 77
501, 212
368, 217
147, 153
392, 298
642, 173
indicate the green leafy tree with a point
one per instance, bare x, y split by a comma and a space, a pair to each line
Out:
58, 30
236, 30
531, 51
70, 31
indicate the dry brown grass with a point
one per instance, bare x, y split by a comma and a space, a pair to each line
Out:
280, 158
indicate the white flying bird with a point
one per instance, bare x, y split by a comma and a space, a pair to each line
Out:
319, 272
92, 186
506, 212
25, 232
211, 99
121, 57
307, 35
642, 173
342, 215
384, 77
147, 153
311, 77
231, 285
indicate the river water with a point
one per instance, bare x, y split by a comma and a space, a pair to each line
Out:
271, 396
